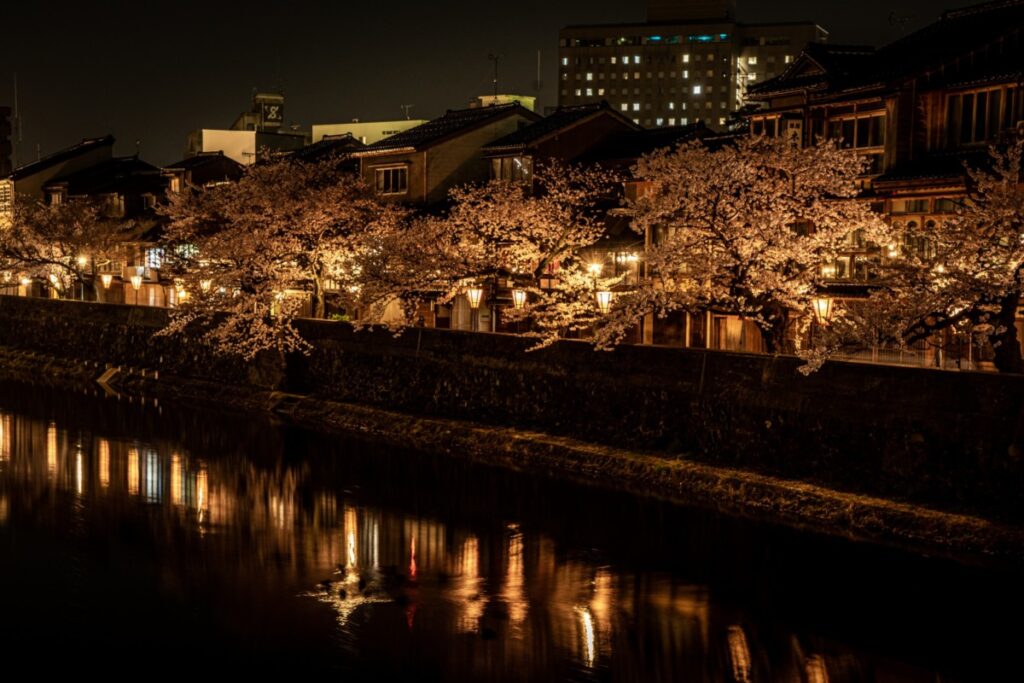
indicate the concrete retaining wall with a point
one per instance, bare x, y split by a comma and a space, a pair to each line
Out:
951, 440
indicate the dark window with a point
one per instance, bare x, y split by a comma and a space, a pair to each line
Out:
392, 180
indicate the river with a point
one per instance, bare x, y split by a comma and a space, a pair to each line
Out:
145, 539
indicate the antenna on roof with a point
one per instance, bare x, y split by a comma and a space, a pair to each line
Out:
405, 108
538, 85
494, 57
138, 147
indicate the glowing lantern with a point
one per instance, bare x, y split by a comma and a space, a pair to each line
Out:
205, 285
474, 294
595, 269
604, 301
106, 279
136, 282
519, 298
823, 309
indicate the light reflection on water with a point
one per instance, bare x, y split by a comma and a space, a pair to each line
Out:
411, 583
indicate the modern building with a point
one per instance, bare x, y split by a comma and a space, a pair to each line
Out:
691, 61
259, 130
420, 165
366, 132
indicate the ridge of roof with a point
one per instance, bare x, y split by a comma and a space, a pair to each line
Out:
61, 155
452, 122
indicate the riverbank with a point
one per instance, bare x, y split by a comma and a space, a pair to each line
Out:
673, 478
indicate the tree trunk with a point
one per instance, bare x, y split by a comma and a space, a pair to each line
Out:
319, 300
1007, 345
775, 333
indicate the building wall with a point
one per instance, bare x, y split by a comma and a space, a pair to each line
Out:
413, 161
367, 132
575, 141
460, 160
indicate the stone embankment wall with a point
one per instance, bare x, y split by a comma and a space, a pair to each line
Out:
951, 440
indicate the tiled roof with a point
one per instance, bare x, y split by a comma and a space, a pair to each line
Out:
943, 166
451, 124
330, 145
956, 33
632, 145
122, 174
562, 118
59, 156
197, 161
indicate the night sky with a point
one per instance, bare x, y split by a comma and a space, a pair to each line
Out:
153, 71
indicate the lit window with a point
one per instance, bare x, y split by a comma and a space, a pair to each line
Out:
721, 105
721, 121
636, 75
578, 92
515, 169
590, 92
625, 107
671, 105
393, 180
636, 121
789, 58
636, 59
660, 122
697, 90
155, 258
686, 59
625, 60
686, 73
636, 106
590, 75
671, 121
752, 61
600, 92
751, 76
684, 121
565, 61
615, 60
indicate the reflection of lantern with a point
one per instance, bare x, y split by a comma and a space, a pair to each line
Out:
205, 285
519, 298
823, 309
106, 279
474, 294
604, 301
136, 282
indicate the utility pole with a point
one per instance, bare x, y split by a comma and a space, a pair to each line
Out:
405, 108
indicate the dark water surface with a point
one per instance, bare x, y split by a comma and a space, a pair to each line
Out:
137, 540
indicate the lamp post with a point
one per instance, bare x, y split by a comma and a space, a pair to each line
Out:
519, 299
136, 284
474, 294
604, 301
822, 307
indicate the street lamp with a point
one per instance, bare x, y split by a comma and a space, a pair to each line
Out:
205, 285
106, 279
519, 298
136, 281
595, 269
604, 301
474, 294
823, 309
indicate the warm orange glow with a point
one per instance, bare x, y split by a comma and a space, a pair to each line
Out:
202, 492
177, 487
587, 628
604, 301
103, 450
519, 298
205, 285
51, 449
474, 294
739, 653
595, 269
133, 471
5, 438
823, 309
136, 282
816, 671
106, 279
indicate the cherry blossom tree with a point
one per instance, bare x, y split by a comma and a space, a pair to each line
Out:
963, 274
528, 232
743, 228
60, 244
248, 255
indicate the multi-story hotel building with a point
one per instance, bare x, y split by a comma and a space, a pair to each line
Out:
691, 61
